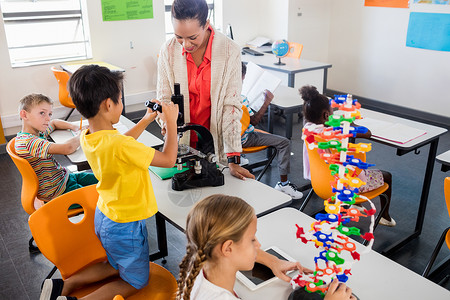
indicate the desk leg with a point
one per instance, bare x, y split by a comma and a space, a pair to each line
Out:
289, 118
162, 239
291, 80
325, 77
423, 200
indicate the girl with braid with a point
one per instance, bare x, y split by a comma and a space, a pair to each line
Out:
218, 245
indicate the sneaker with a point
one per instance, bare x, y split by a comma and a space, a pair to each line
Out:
387, 223
289, 189
51, 289
67, 298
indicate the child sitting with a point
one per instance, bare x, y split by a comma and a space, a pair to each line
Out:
35, 111
316, 110
252, 138
126, 196
219, 245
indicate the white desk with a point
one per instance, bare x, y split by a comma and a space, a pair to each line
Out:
289, 100
78, 158
314, 73
431, 137
373, 277
444, 159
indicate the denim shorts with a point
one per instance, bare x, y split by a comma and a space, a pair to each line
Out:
126, 245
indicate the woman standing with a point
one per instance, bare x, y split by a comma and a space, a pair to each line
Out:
208, 67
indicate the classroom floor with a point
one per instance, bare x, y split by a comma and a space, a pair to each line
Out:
21, 273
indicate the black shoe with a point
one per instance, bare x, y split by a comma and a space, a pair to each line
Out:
66, 298
51, 289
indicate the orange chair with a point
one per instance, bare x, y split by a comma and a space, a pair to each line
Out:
321, 178
63, 77
245, 121
30, 186
444, 237
295, 50
72, 247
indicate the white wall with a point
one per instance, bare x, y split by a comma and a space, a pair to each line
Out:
311, 28
367, 48
110, 43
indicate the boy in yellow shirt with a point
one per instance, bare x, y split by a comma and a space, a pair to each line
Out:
126, 196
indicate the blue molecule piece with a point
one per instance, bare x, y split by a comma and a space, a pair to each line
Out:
356, 162
327, 217
322, 256
324, 238
342, 278
359, 129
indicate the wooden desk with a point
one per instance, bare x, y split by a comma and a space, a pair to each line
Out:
444, 159
373, 277
79, 159
431, 137
72, 67
289, 100
313, 73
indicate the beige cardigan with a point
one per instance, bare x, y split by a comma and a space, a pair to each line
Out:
226, 85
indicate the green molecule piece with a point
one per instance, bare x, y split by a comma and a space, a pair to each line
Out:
348, 230
333, 256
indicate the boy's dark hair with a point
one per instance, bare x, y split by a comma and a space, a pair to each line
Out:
90, 85
314, 104
190, 9
244, 69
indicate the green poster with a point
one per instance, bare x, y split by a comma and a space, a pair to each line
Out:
116, 10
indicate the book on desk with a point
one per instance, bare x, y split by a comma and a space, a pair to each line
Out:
394, 132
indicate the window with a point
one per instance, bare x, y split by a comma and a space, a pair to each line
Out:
46, 31
214, 15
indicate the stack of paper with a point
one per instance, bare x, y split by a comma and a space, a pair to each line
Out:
394, 132
256, 81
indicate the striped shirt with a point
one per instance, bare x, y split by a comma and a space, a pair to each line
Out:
250, 127
52, 176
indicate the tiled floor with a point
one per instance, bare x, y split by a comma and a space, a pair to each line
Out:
21, 273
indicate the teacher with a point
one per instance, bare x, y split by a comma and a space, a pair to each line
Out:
207, 65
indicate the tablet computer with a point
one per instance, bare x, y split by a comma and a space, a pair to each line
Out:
261, 275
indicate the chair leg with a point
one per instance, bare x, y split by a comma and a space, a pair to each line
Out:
267, 164
305, 202
32, 248
380, 214
51, 272
426, 272
71, 111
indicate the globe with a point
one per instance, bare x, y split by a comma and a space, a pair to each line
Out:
280, 48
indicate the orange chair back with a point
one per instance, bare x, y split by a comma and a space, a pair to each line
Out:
63, 77
245, 120
70, 247
295, 50
30, 182
321, 177
447, 193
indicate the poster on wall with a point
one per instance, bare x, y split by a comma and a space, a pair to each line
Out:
447, 2
387, 3
117, 10
429, 31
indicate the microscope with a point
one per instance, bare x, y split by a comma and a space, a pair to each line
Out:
201, 161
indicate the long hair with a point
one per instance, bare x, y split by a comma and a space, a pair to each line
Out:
212, 221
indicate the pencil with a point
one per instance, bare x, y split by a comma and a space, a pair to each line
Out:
81, 123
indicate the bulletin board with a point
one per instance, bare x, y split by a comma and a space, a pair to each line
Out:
117, 10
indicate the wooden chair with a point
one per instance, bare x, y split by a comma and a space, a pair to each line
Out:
445, 236
295, 50
245, 121
63, 77
72, 247
321, 179
30, 187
